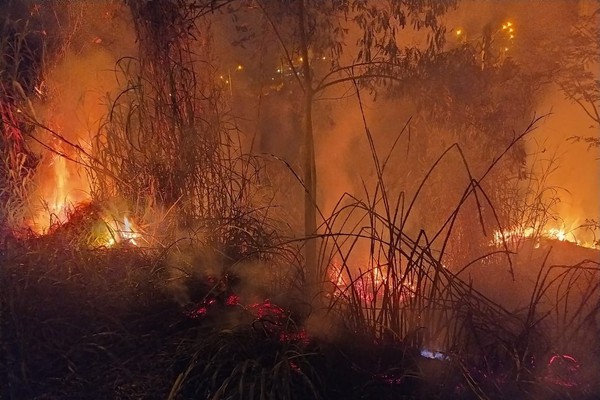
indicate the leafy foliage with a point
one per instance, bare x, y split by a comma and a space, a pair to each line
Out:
578, 77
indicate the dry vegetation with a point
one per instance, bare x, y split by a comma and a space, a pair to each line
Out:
210, 305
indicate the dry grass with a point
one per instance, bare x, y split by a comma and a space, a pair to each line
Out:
85, 321
394, 288
18, 163
81, 322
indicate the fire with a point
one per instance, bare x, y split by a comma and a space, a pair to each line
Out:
128, 233
60, 198
368, 285
558, 234
61, 192
516, 234
121, 232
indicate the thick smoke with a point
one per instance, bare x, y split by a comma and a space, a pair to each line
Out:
344, 159
76, 83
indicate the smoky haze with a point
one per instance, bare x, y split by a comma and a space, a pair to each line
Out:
183, 139
76, 82
343, 158
265, 102
540, 29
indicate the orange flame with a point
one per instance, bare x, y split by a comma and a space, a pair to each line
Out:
515, 234
56, 188
124, 232
368, 285
60, 197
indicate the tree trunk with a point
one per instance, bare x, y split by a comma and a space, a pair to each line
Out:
312, 274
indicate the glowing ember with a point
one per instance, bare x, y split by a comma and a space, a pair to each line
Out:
232, 300
201, 310
563, 370
369, 285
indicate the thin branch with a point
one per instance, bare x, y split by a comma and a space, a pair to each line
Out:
282, 43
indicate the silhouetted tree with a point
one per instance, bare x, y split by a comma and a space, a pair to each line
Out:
578, 75
308, 31
474, 96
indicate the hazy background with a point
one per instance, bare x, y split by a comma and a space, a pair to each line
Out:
80, 80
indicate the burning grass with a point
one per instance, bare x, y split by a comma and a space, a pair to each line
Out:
189, 320
101, 306
194, 290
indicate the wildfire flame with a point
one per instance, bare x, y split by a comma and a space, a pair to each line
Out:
56, 192
62, 194
367, 285
514, 235
123, 232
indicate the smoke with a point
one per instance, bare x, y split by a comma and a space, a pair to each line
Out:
89, 38
78, 79
578, 172
345, 162
541, 32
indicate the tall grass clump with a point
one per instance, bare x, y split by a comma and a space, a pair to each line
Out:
20, 47
80, 322
168, 146
248, 362
403, 276
389, 284
526, 204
